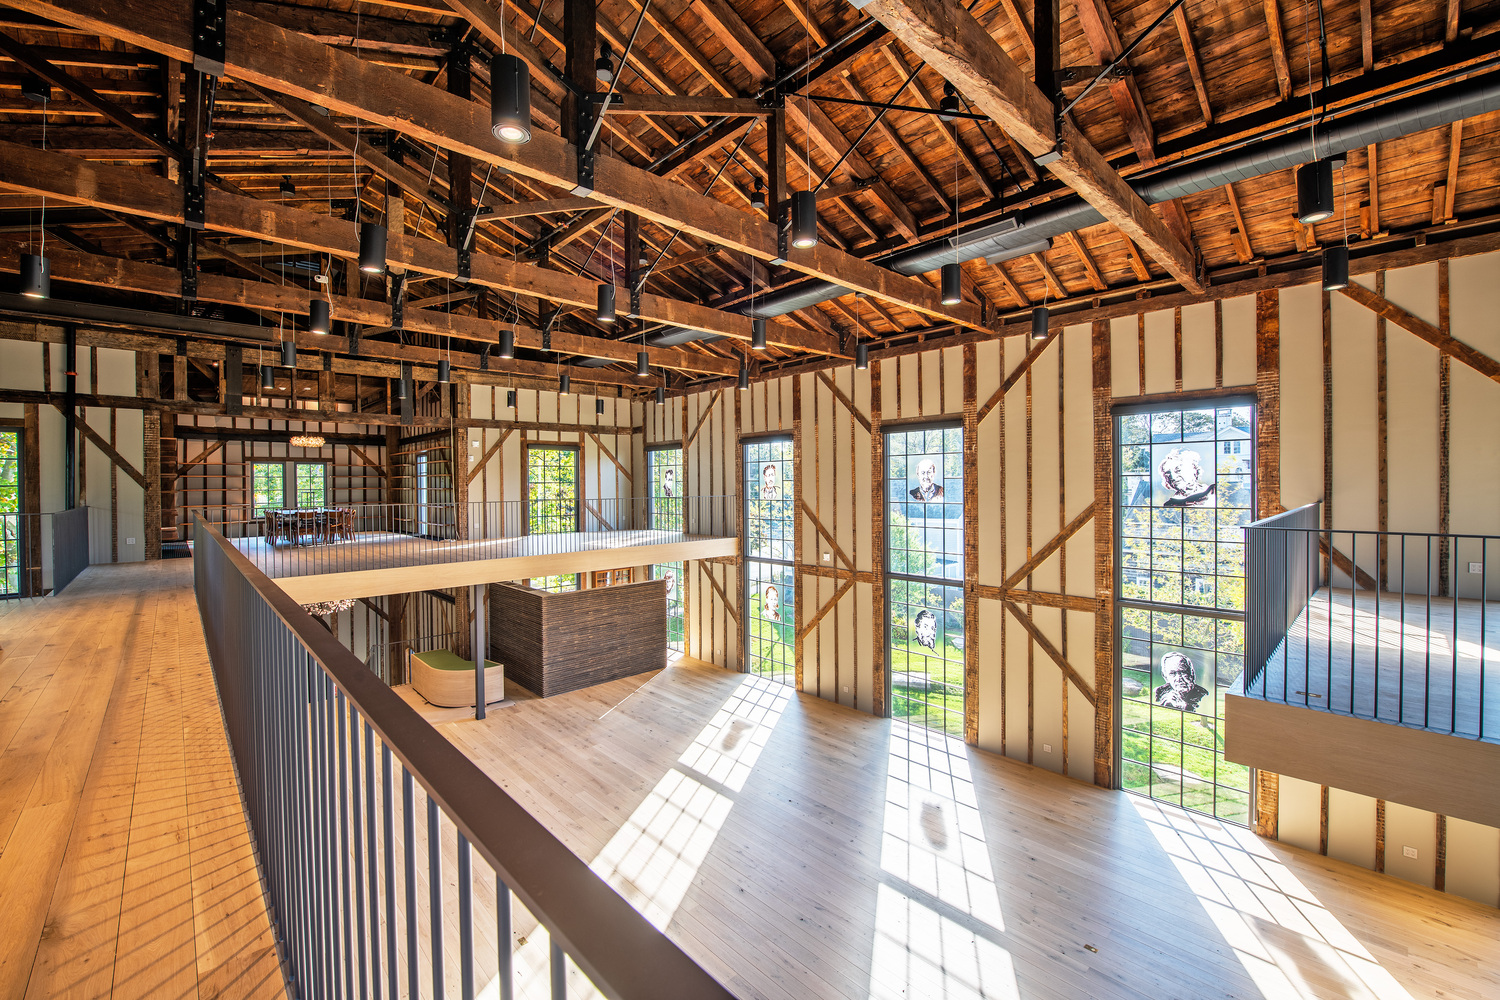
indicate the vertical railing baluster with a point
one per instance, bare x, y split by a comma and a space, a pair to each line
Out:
372, 876
1426, 638
1401, 642
357, 845
343, 822
1484, 635
1385, 542
465, 920
409, 834
558, 966
435, 895
503, 945
388, 828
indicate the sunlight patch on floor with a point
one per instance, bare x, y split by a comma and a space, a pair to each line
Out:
1291, 945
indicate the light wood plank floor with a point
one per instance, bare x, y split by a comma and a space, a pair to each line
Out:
797, 849
126, 868
1416, 661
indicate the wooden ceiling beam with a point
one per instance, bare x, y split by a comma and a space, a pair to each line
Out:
889, 133
957, 46
121, 189
1195, 67
273, 57
1099, 28
1278, 49
628, 103
742, 42
549, 206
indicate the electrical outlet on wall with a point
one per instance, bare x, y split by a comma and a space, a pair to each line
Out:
828, 557
130, 541
1046, 748
1410, 852
1476, 567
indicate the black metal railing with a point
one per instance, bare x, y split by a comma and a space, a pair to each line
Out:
345, 787
1398, 627
383, 536
25, 540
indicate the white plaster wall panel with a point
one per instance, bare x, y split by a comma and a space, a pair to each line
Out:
991, 693
988, 379
1474, 469
1017, 688
1124, 357
21, 366
867, 555
12, 411
1355, 445
1406, 827
1239, 340
1161, 352
1414, 289
1301, 360
890, 371
847, 643
1412, 431
846, 461
1351, 828
932, 371
1048, 694
1080, 712
1198, 347
864, 647
1013, 518
131, 509
820, 679
1298, 810
1473, 869
1044, 473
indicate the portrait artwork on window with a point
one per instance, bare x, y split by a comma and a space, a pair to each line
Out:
770, 482
929, 484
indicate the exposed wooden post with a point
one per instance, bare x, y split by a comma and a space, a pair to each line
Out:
798, 640
580, 36
971, 544
776, 184
1104, 567
460, 168
879, 695
1268, 486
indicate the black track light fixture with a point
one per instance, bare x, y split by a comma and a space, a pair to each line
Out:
445, 370
510, 98
804, 219
744, 377
372, 248
34, 88
507, 343
1336, 267
1039, 317
758, 334
288, 354
36, 276
952, 284
317, 317
1314, 192
661, 395
862, 357
605, 310
510, 399
604, 66
758, 196
949, 107
642, 364
563, 383
267, 378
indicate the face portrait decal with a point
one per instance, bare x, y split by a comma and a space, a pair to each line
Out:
929, 485
669, 482
770, 604
1182, 478
924, 625
770, 482
1181, 690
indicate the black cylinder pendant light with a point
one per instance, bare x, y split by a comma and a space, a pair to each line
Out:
948, 107
862, 357
510, 98
1039, 317
1314, 192
599, 407
372, 248
758, 334
288, 354
744, 377
661, 395
605, 312
445, 371
34, 88
758, 196
507, 343
1336, 267
952, 284
36, 276
562, 383
510, 399
642, 363
804, 219
267, 377
317, 316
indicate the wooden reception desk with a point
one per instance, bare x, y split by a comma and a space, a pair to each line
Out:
552, 643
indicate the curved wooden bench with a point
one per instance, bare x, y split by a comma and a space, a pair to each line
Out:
448, 682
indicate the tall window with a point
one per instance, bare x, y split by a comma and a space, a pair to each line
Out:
552, 500
665, 479
924, 548
1186, 476
10, 512
768, 545
288, 484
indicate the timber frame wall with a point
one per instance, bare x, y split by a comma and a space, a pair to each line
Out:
1364, 399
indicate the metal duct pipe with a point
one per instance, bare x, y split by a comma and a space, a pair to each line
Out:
1017, 234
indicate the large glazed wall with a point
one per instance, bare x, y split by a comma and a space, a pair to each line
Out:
1037, 472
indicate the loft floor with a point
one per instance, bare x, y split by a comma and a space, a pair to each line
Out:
126, 867
797, 849
1408, 659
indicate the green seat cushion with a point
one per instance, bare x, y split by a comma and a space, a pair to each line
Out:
446, 659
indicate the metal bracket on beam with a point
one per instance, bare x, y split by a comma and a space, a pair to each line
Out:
209, 21
398, 301
354, 339
484, 357
635, 301
466, 224
187, 261
585, 183
783, 237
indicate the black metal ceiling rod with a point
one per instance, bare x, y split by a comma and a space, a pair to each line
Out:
888, 106
1109, 70
874, 120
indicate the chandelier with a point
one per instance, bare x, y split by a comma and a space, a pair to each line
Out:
307, 441
319, 609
